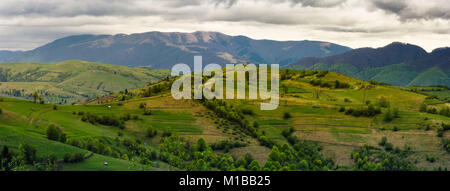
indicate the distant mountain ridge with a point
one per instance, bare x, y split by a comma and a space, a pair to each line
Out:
165, 49
397, 64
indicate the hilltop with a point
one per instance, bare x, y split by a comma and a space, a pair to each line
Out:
165, 49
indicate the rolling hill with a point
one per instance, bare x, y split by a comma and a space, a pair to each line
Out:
72, 81
163, 50
396, 63
332, 124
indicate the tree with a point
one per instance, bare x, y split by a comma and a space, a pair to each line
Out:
248, 159
201, 145
240, 163
275, 154
383, 141
388, 117
27, 152
151, 132
287, 115
423, 107
77, 157
63, 138
35, 96
67, 157
254, 166
52, 133
5, 158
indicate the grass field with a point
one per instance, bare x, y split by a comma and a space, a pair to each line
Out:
314, 116
72, 81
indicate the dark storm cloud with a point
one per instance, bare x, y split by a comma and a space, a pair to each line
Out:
24, 24
318, 3
412, 9
72, 8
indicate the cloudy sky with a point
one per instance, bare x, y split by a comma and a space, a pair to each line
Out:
27, 24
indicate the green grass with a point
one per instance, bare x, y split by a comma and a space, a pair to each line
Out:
74, 80
96, 163
14, 136
313, 119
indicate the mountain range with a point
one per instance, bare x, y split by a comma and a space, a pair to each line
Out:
161, 50
397, 64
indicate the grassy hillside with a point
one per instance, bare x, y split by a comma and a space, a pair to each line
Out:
313, 122
71, 81
397, 64
396, 74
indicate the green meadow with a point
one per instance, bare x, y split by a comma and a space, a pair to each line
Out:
316, 113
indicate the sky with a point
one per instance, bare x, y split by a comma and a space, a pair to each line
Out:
27, 24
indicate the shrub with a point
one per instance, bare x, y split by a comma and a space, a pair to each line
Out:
395, 128
445, 111
77, 157
432, 110
322, 73
287, 132
265, 141
430, 158
396, 113
368, 111
67, 157
342, 85
383, 102
28, 152
150, 132
63, 138
388, 147
440, 132
388, 117
292, 139
445, 127
383, 141
201, 145
247, 111
104, 120
53, 132
446, 144
226, 145
287, 115
166, 134
256, 124
147, 112
423, 107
